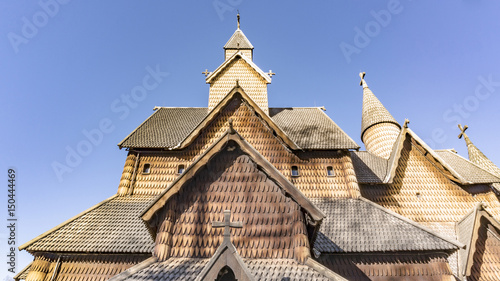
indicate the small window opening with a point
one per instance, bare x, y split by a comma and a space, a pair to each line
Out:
330, 172
180, 169
419, 195
295, 171
226, 274
146, 169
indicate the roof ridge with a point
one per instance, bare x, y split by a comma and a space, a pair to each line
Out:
46, 233
331, 120
428, 230
224, 102
476, 165
131, 133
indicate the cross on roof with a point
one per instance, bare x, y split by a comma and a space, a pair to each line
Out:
227, 224
271, 73
206, 72
362, 76
462, 130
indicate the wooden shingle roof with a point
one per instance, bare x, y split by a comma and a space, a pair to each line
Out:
238, 41
309, 128
176, 269
112, 226
359, 225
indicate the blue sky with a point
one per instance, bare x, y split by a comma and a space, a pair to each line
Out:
66, 71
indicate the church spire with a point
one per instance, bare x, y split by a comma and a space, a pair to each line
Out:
379, 130
476, 156
238, 42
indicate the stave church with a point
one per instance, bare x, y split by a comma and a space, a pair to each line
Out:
239, 190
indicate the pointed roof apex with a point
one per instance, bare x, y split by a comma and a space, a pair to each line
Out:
363, 82
373, 110
476, 156
238, 40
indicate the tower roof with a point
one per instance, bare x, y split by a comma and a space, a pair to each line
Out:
476, 156
238, 41
373, 110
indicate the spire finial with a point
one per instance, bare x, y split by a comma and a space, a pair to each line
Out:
362, 82
238, 16
462, 130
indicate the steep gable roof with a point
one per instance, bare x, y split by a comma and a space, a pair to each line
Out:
311, 128
359, 225
467, 169
263, 164
238, 41
430, 154
112, 226
468, 233
213, 75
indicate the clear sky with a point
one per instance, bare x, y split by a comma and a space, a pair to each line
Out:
68, 71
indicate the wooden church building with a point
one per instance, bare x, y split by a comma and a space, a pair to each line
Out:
241, 191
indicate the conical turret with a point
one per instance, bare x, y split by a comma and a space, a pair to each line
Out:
476, 156
379, 130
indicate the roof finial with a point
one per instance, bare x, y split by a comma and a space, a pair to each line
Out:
362, 82
406, 123
462, 130
238, 16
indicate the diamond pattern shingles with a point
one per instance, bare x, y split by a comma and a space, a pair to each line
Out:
467, 169
175, 269
166, 127
112, 227
354, 225
238, 41
311, 128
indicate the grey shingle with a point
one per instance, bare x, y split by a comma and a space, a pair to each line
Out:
238, 41
114, 226
309, 128
369, 168
166, 127
354, 225
262, 269
467, 169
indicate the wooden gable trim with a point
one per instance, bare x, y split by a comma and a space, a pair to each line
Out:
226, 255
234, 93
393, 162
478, 212
236, 55
316, 214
